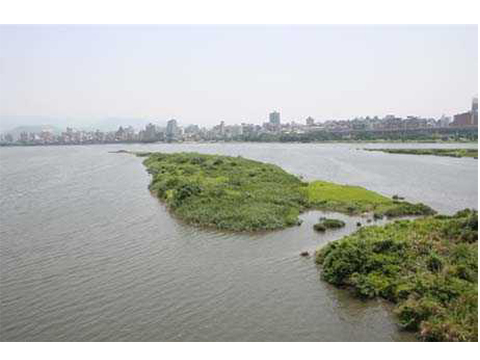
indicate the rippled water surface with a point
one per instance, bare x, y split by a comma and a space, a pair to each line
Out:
87, 254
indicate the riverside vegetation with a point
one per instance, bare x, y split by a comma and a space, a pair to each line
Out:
233, 193
427, 266
438, 152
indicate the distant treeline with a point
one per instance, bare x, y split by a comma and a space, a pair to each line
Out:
470, 134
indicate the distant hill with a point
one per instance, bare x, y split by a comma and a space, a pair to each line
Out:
10, 123
15, 132
112, 123
16, 124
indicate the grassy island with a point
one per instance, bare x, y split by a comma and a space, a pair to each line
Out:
355, 200
233, 193
438, 152
325, 224
427, 266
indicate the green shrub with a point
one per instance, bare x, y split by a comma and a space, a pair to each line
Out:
319, 227
434, 262
333, 223
377, 216
428, 266
325, 224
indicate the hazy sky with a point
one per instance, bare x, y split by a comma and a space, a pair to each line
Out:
204, 74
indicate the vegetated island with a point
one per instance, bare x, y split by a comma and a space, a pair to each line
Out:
438, 152
233, 193
427, 266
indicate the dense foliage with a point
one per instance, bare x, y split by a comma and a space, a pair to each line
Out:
429, 135
428, 266
229, 193
234, 193
438, 152
325, 223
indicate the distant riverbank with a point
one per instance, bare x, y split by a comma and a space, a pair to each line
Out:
260, 141
473, 153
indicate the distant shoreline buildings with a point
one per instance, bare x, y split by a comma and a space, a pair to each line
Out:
469, 118
274, 128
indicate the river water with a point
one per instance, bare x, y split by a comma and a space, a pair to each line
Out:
88, 254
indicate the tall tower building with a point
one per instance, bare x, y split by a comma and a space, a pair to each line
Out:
274, 118
172, 127
172, 132
475, 111
150, 133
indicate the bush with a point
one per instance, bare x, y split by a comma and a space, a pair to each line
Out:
377, 216
319, 227
434, 262
333, 223
428, 266
325, 224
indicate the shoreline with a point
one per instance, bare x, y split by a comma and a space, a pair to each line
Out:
386, 141
445, 152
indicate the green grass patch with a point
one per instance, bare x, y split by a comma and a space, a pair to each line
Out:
355, 200
233, 193
437, 152
428, 267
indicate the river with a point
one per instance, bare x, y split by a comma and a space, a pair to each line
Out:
88, 254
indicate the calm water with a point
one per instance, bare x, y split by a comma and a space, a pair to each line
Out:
87, 254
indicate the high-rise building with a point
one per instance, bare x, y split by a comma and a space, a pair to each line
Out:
475, 111
172, 132
192, 130
172, 127
274, 118
444, 121
120, 134
150, 133
463, 119
469, 118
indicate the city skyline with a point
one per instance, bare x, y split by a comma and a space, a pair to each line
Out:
204, 74
273, 130
112, 123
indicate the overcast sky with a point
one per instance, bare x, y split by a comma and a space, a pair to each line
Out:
204, 74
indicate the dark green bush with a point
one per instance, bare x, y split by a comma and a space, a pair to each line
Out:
333, 223
434, 262
428, 266
325, 224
